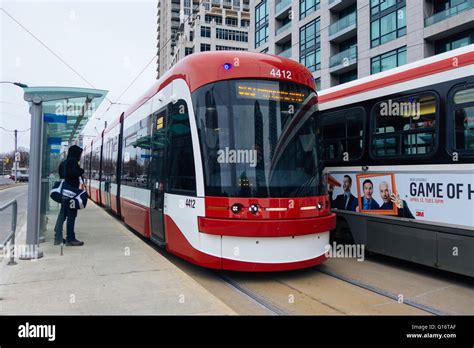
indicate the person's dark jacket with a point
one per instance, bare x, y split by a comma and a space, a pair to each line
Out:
338, 203
402, 212
69, 169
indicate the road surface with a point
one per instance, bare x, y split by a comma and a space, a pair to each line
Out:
20, 193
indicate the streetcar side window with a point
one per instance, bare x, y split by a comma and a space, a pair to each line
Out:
463, 120
405, 126
107, 161
181, 173
342, 135
114, 159
136, 156
95, 165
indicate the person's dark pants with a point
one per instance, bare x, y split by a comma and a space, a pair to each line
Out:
70, 215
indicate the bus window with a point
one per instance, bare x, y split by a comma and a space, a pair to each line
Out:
342, 133
405, 127
464, 120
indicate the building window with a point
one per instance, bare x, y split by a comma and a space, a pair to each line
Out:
454, 42
205, 32
245, 23
231, 35
229, 48
463, 121
208, 19
205, 47
307, 7
388, 21
310, 45
405, 127
348, 76
188, 51
232, 22
317, 82
343, 132
389, 60
261, 23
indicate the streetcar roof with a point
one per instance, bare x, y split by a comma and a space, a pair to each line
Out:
202, 68
449, 65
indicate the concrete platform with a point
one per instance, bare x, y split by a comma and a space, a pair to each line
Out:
113, 273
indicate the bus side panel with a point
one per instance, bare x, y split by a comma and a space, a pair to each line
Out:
455, 253
402, 242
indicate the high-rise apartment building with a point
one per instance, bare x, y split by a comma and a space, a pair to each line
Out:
342, 40
189, 26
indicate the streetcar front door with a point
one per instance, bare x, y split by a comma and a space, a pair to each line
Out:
156, 176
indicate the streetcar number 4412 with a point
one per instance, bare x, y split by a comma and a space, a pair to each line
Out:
190, 203
286, 74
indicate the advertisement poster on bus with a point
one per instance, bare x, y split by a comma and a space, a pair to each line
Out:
432, 197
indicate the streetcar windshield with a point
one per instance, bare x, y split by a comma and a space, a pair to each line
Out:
258, 139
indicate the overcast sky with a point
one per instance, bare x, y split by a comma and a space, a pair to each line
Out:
107, 42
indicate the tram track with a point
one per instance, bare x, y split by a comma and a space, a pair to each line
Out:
267, 305
254, 296
323, 269
276, 310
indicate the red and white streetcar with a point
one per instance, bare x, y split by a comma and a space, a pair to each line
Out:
218, 162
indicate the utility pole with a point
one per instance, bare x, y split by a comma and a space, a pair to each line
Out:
16, 163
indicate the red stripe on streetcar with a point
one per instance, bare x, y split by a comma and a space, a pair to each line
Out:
220, 207
177, 244
136, 216
267, 228
421, 71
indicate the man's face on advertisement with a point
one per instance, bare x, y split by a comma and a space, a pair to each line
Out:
346, 184
384, 192
368, 190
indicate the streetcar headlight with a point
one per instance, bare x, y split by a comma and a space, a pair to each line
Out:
236, 208
254, 208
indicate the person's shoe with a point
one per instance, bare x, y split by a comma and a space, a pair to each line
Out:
59, 241
74, 242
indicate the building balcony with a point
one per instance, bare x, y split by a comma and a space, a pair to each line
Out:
450, 12
283, 28
282, 9
344, 28
286, 53
450, 22
343, 61
339, 5
283, 36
